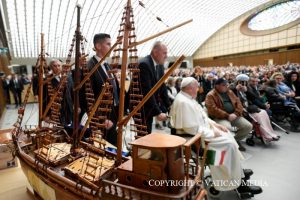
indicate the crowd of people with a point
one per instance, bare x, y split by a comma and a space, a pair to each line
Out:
212, 101
258, 88
14, 84
221, 102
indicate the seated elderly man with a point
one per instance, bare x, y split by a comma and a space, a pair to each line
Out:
188, 117
240, 88
225, 108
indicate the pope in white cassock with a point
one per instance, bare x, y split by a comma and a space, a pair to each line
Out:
188, 117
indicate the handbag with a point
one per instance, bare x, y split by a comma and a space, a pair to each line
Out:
253, 109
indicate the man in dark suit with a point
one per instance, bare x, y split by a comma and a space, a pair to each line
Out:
102, 44
254, 96
151, 71
66, 109
55, 66
5, 85
16, 86
209, 84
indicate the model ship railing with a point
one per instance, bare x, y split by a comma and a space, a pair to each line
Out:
111, 188
191, 185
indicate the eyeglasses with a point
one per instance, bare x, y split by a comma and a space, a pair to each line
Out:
243, 83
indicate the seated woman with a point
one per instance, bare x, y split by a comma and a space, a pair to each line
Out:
293, 81
239, 87
283, 89
274, 96
188, 117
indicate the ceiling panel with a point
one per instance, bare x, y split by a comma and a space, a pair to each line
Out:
26, 19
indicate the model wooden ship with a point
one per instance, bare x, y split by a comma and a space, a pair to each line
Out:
62, 166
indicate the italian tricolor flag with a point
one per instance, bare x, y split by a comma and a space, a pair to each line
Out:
215, 157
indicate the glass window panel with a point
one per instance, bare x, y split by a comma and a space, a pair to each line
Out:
275, 16
57, 19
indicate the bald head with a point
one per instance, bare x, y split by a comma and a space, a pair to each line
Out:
159, 52
55, 66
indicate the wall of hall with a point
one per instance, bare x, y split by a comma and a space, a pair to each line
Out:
229, 40
259, 59
4, 62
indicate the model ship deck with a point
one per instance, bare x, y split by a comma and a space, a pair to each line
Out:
90, 167
54, 153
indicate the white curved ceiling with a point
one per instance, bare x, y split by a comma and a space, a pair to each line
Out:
26, 19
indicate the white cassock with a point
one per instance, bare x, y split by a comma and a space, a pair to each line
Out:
189, 117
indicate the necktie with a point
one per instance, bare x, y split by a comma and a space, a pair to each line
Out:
16, 83
113, 83
157, 72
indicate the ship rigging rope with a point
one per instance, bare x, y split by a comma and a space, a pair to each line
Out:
103, 14
32, 113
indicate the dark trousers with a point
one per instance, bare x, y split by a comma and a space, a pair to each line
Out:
7, 97
18, 97
111, 135
149, 123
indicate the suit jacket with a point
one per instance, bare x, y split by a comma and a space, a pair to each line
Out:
16, 87
254, 97
54, 82
98, 78
208, 86
200, 79
5, 84
149, 77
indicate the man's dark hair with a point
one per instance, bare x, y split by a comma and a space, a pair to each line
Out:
100, 37
272, 83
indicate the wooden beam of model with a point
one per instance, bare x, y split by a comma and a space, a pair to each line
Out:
158, 34
153, 90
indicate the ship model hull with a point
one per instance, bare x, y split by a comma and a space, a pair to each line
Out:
62, 165
43, 186
56, 183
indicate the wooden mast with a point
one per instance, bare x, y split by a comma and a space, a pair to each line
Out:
127, 27
41, 73
76, 82
159, 34
122, 121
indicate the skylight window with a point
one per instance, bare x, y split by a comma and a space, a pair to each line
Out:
276, 16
